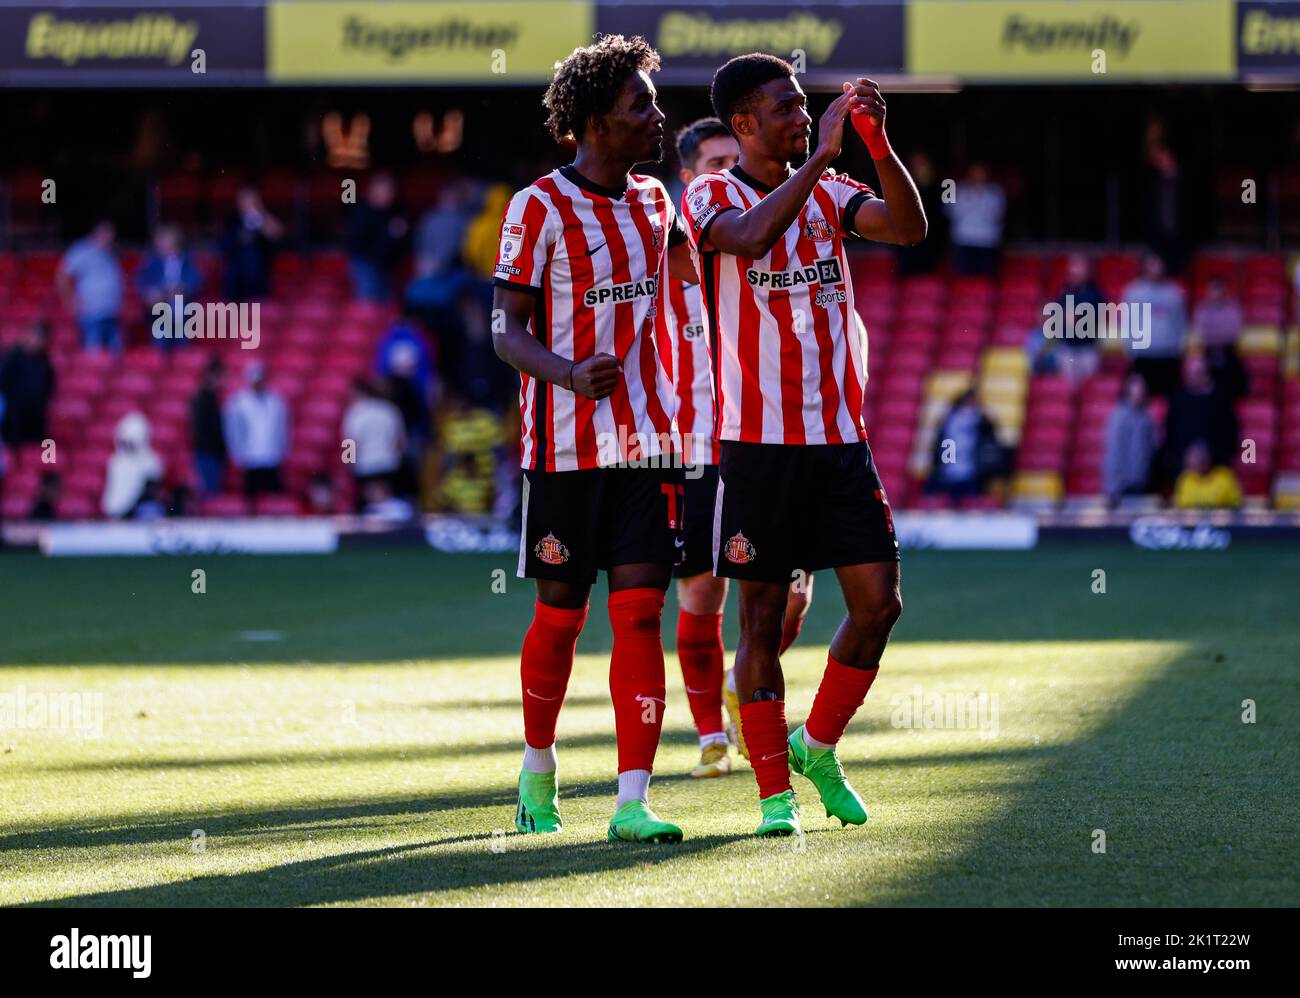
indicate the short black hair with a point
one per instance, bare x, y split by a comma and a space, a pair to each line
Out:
694, 135
589, 81
735, 85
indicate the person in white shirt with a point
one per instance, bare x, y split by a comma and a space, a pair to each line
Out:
256, 422
976, 216
374, 426
131, 468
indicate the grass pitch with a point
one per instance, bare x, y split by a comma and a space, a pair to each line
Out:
345, 730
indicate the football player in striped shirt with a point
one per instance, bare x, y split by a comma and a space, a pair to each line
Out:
798, 488
583, 250
706, 146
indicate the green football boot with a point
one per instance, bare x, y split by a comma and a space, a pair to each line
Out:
780, 815
822, 767
539, 809
635, 822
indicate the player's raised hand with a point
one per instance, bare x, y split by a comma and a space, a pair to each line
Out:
867, 109
830, 130
597, 376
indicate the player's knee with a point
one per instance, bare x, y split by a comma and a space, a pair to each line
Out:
879, 616
763, 617
637, 613
702, 594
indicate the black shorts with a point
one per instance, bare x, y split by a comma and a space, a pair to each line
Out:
577, 522
783, 507
698, 530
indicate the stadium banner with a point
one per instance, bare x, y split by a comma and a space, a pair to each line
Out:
1071, 40
270, 536
439, 42
1268, 39
178, 45
966, 531
825, 41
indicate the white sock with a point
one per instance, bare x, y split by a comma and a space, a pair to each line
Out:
812, 742
731, 679
717, 738
633, 784
540, 760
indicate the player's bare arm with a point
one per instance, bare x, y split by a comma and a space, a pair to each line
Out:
753, 233
594, 378
681, 265
898, 217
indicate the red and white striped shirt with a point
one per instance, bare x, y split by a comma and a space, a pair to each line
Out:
788, 356
692, 372
594, 258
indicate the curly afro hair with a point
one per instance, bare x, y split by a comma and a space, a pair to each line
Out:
589, 81
735, 85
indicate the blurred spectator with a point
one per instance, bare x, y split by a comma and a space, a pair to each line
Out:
247, 247
321, 500
167, 273
401, 346
1200, 412
89, 280
1204, 485
376, 238
483, 237
1158, 362
206, 430
976, 216
1295, 284
27, 385
1076, 357
966, 450
1130, 443
131, 468
47, 497
378, 501
151, 505
469, 441
1217, 322
374, 425
256, 424
924, 257
1163, 197
441, 231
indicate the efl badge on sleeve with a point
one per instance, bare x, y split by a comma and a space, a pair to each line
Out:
512, 241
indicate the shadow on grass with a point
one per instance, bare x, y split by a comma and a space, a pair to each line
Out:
406, 752
394, 871
129, 829
1198, 809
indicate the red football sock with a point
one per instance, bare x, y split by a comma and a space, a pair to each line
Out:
765, 731
699, 648
544, 669
636, 675
793, 625
839, 696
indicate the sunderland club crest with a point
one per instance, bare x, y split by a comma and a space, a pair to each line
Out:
550, 551
739, 551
